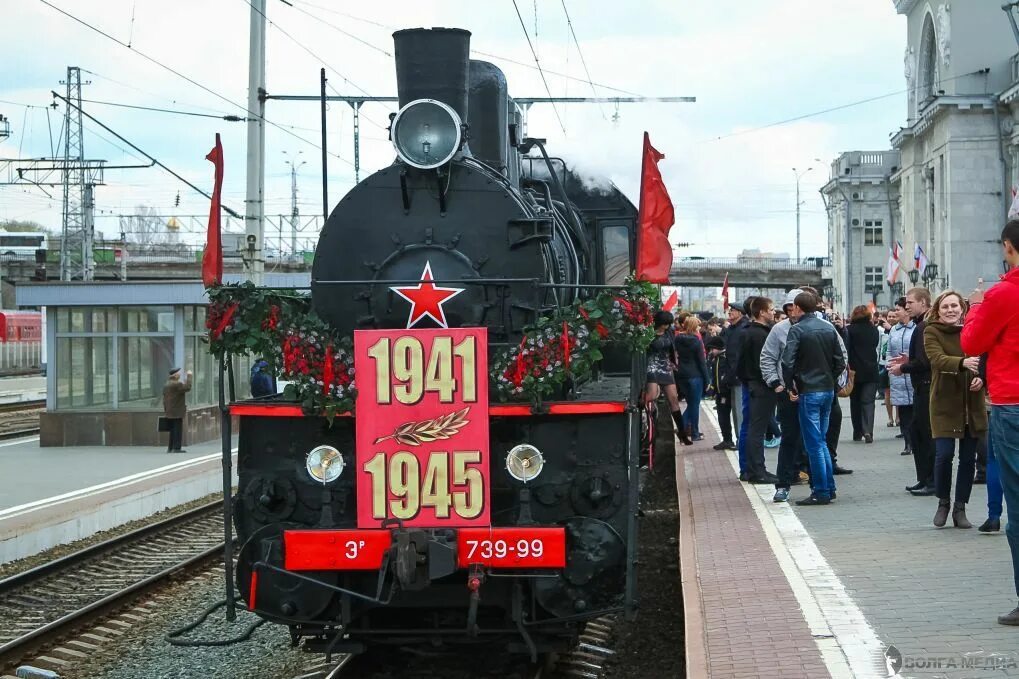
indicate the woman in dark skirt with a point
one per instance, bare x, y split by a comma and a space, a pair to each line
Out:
661, 361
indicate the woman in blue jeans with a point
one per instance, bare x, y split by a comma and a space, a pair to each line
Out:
691, 374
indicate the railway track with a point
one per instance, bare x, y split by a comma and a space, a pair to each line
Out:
40, 605
587, 661
20, 418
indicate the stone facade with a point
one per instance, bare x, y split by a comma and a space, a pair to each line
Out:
954, 178
863, 223
958, 152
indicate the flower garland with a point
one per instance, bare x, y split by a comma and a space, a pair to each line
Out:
299, 347
303, 350
563, 350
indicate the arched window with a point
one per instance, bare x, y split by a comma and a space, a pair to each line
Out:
929, 77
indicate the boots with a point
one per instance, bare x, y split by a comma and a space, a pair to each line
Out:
941, 516
684, 438
959, 516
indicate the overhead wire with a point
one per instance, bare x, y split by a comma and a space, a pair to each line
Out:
583, 61
194, 82
315, 56
139, 150
832, 109
490, 55
228, 118
537, 63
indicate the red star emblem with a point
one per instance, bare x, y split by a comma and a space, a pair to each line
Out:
426, 298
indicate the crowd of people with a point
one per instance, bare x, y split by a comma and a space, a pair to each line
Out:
947, 369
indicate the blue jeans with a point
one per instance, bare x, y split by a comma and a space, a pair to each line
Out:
693, 390
994, 490
744, 428
1005, 434
814, 412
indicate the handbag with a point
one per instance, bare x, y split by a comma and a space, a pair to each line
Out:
850, 377
164, 424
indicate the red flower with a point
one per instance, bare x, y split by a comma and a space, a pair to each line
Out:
223, 321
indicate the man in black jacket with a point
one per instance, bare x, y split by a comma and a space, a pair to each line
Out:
918, 367
812, 362
718, 367
739, 319
762, 399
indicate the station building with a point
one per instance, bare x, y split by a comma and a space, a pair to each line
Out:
111, 346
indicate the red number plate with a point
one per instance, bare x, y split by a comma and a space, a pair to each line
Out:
334, 550
512, 547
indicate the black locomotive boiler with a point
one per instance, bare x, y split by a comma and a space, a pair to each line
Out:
499, 234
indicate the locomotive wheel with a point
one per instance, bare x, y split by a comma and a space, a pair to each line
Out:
277, 596
595, 566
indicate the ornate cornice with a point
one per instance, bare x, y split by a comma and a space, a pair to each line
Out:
904, 6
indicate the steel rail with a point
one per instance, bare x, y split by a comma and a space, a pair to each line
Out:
19, 645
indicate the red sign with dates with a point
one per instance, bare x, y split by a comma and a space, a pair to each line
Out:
422, 427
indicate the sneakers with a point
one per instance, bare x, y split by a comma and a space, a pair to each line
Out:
781, 495
907, 451
1010, 618
773, 442
813, 500
838, 471
767, 479
724, 445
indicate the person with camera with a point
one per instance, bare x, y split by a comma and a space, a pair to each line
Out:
175, 408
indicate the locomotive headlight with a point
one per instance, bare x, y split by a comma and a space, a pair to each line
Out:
426, 133
524, 462
324, 464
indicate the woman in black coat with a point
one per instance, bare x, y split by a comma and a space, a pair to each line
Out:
863, 340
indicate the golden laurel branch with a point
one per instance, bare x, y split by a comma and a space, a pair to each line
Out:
437, 429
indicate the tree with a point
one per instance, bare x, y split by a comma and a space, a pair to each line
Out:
24, 226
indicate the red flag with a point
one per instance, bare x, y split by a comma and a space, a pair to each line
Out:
212, 259
725, 292
654, 219
671, 302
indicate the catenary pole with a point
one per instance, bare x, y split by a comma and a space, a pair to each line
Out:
254, 217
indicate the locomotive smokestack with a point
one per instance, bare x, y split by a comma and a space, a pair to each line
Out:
488, 112
433, 64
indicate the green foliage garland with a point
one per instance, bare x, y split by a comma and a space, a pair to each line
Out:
305, 351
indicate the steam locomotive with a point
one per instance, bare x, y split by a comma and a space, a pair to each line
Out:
474, 522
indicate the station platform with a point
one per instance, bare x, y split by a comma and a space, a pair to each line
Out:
865, 587
52, 496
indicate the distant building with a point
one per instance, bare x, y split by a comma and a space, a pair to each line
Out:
862, 204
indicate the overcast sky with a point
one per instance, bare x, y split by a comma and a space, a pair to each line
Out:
750, 64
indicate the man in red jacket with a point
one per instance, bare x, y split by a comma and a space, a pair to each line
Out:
992, 328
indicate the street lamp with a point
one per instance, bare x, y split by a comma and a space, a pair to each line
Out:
896, 289
914, 276
798, 176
